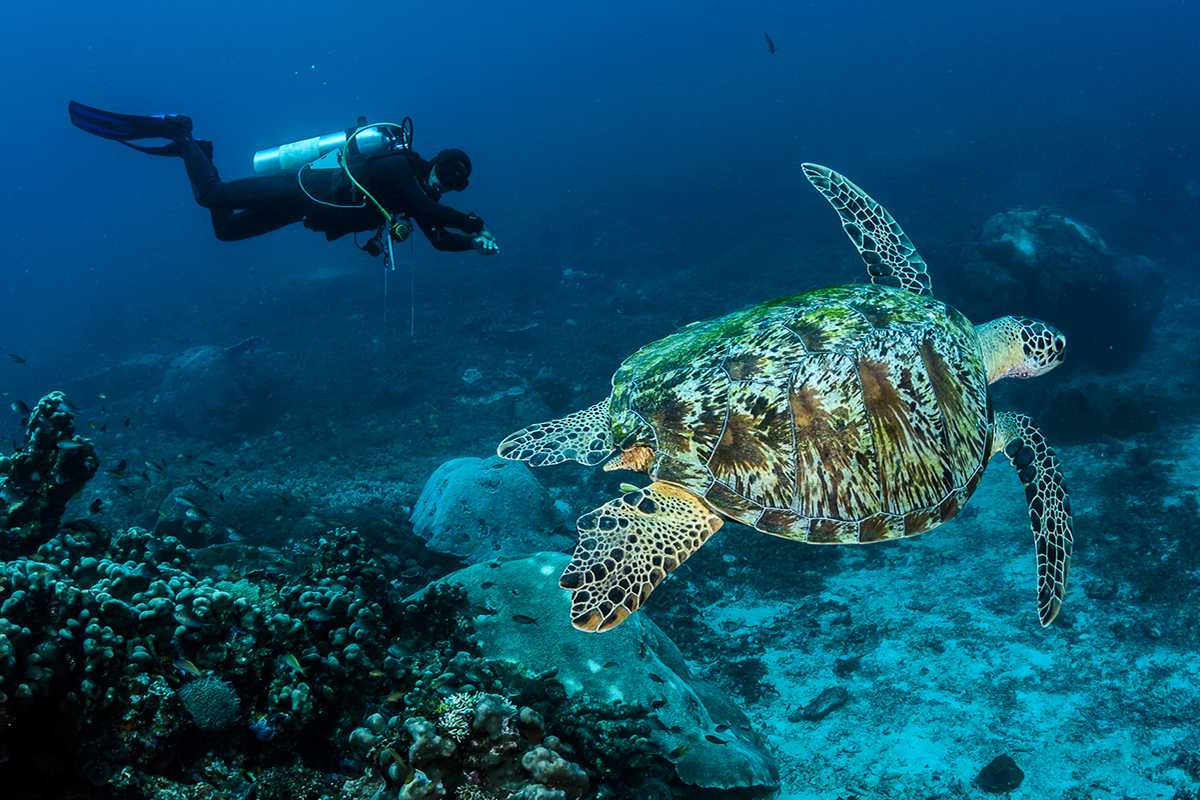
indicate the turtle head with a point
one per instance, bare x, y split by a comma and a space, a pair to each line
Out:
1020, 347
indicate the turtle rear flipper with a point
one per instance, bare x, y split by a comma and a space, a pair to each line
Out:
585, 436
1049, 506
626, 548
891, 257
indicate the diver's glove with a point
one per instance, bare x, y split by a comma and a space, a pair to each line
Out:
485, 243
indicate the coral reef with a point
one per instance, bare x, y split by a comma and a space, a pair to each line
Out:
37, 481
481, 508
479, 745
174, 672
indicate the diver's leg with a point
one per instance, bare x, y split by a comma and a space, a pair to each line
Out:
233, 226
206, 184
264, 204
243, 208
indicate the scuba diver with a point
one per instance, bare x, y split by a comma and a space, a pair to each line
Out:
380, 183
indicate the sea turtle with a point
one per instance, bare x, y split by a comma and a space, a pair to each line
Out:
843, 415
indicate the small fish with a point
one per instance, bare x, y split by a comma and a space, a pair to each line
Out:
655, 678
678, 752
320, 615
197, 514
234, 534
626, 488
11, 495
394, 697
187, 667
186, 501
127, 422
722, 728
190, 620
656, 724
97, 507
524, 620
398, 650
412, 572
487, 584
293, 662
68, 444
157, 545
611, 664
15, 358
20, 407
154, 466
199, 484
71, 406
714, 739
770, 44
123, 489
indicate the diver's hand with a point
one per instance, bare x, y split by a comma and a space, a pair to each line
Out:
485, 243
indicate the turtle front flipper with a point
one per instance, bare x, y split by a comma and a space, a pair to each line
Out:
627, 546
1049, 506
891, 258
585, 436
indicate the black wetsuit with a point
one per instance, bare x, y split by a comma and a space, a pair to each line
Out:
253, 206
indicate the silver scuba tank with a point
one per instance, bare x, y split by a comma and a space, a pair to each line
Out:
291, 157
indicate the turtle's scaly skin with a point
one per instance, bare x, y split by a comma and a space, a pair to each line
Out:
844, 415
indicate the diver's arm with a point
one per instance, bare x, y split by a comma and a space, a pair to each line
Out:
395, 172
443, 239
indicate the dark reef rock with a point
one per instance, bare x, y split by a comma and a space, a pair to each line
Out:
1044, 265
201, 394
1000, 775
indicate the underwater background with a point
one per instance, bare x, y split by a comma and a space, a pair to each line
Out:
247, 599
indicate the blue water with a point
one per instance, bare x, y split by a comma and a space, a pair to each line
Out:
673, 114
623, 140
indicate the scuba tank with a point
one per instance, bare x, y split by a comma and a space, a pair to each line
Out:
362, 139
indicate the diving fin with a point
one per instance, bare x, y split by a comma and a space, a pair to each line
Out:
123, 127
171, 149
